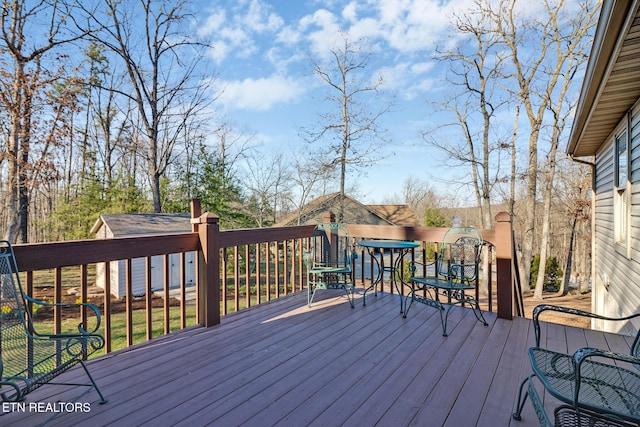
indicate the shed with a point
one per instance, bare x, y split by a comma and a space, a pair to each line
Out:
135, 225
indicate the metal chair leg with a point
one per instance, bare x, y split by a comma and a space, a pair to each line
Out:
103, 399
521, 399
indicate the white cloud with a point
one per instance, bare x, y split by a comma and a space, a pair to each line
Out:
321, 29
260, 18
400, 35
411, 26
260, 94
219, 50
284, 59
421, 67
288, 35
349, 12
366, 28
407, 79
235, 31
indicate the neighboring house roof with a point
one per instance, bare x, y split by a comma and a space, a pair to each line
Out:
610, 86
118, 225
354, 212
401, 215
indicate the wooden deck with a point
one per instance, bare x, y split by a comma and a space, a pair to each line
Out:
282, 363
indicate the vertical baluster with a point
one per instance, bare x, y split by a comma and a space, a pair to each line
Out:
300, 264
107, 307
183, 290
128, 284
258, 274
57, 299
167, 326
236, 279
285, 265
247, 276
83, 299
277, 262
148, 298
224, 280
268, 270
83, 294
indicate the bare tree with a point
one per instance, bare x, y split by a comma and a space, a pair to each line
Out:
560, 115
511, 200
572, 187
541, 50
161, 62
349, 133
30, 31
475, 71
420, 197
267, 176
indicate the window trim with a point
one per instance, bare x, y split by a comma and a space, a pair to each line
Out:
622, 190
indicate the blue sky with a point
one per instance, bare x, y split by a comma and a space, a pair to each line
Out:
262, 49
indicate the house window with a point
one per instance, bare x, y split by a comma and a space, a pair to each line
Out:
621, 193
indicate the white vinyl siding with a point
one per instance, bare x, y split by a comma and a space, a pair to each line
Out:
616, 289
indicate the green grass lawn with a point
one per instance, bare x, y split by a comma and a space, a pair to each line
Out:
139, 319
119, 327
71, 279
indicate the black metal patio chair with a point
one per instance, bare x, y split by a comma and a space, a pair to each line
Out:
329, 260
455, 281
29, 357
595, 385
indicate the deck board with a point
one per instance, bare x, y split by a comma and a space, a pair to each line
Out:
473, 395
282, 363
508, 375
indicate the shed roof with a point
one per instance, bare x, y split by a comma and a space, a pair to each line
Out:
143, 224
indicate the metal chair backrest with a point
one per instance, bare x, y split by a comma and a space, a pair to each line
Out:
12, 303
331, 245
15, 319
459, 254
635, 347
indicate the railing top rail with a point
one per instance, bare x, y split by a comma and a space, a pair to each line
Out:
238, 237
425, 234
43, 256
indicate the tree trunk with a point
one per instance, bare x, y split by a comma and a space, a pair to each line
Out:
15, 170
544, 243
530, 210
564, 286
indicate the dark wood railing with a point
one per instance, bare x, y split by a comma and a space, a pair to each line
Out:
224, 263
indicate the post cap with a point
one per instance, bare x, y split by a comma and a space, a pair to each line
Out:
206, 218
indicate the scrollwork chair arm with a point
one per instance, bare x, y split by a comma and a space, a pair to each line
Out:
81, 328
539, 309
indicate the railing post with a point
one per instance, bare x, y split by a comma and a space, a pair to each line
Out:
328, 216
504, 277
208, 269
196, 211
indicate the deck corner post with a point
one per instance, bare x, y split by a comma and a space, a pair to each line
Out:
504, 251
208, 270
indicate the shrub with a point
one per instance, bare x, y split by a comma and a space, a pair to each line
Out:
552, 275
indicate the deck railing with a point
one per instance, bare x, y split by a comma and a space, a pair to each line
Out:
498, 245
234, 268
